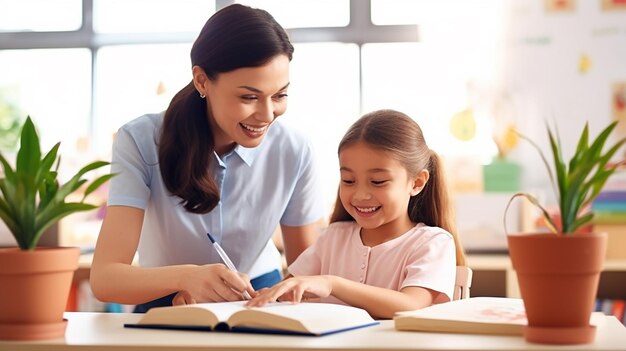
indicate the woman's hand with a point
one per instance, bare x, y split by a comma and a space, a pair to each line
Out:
212, 283
295, 290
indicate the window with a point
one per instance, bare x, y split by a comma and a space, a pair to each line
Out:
324, 101
40, 15
53, 87
133, 80
138, 51
132, 56
305, 13
156, 16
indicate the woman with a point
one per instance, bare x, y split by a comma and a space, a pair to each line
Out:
214, 162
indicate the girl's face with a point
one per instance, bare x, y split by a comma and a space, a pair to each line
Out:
245, 102
375, 190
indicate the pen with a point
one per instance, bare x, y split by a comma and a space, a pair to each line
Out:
226, 260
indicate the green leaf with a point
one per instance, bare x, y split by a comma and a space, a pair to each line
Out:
583, 145
543, 159
97, 183
579, 181
43, 222
46, 164
29, 154
579, 222
31, 198
549, 222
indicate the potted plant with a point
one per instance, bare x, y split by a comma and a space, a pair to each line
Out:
558, 272
35, 280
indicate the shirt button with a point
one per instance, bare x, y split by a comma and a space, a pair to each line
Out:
363, 266
365, 254
361, 280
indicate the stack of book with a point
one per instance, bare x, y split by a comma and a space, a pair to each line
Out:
609, 207
609, 210
612, 307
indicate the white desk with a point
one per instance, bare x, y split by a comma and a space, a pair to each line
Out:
105, 331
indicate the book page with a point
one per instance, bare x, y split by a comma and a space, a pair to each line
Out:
305, 317
202, 314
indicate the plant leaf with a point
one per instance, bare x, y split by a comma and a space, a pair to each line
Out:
61, 210
29, 154
97, 183
549, 222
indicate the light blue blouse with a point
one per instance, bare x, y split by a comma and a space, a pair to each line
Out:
260, 188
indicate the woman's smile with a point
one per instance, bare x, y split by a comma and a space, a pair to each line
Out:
252, 131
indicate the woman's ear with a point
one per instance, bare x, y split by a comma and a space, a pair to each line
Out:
419, 182
200, 80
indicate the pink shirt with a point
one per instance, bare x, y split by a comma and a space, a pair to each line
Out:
424, 256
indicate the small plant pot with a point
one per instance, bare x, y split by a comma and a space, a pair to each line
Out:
35, 287
558, 277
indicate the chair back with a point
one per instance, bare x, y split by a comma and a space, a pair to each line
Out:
463, 282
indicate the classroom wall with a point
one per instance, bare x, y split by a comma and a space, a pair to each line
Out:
566, 66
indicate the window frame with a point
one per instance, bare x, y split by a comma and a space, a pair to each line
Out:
360, 31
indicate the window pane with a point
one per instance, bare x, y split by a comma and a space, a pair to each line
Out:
53, 87
40, 15
133, 80
324, 103
150, 16
305, 13
388, 12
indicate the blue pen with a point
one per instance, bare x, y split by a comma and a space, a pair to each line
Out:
226, 260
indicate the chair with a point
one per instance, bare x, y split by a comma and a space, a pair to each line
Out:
463, 282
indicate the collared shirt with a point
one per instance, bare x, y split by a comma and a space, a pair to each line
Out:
424, 256
260, 188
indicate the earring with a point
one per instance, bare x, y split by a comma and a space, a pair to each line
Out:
202, 95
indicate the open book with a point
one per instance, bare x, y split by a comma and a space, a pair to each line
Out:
306, 318
476, 315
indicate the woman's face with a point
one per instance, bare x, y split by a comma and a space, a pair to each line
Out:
246, 101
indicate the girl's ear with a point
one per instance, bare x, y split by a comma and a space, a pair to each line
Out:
200, 80
419, 182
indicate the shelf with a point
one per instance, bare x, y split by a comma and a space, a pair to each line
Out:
494, 276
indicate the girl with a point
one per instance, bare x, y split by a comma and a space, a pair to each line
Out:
215, 162
391, 245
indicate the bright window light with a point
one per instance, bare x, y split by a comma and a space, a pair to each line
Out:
40, 15
151, 16
305, 13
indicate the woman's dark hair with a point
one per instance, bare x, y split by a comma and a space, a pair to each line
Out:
401, 138
236, 36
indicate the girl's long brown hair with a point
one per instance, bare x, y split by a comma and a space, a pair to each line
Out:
236, 36
402, 138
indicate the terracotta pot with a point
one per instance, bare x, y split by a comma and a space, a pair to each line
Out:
35, 286
558, 278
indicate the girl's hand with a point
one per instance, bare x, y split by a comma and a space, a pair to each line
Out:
212, 283
294, 290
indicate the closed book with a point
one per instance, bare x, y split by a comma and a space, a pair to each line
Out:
609, 217
615, 206
307, 318
611, 196
618, 308
607, 307
475, 315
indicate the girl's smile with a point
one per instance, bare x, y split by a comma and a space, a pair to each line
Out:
367, 211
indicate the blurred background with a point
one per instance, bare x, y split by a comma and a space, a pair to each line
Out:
469, 72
